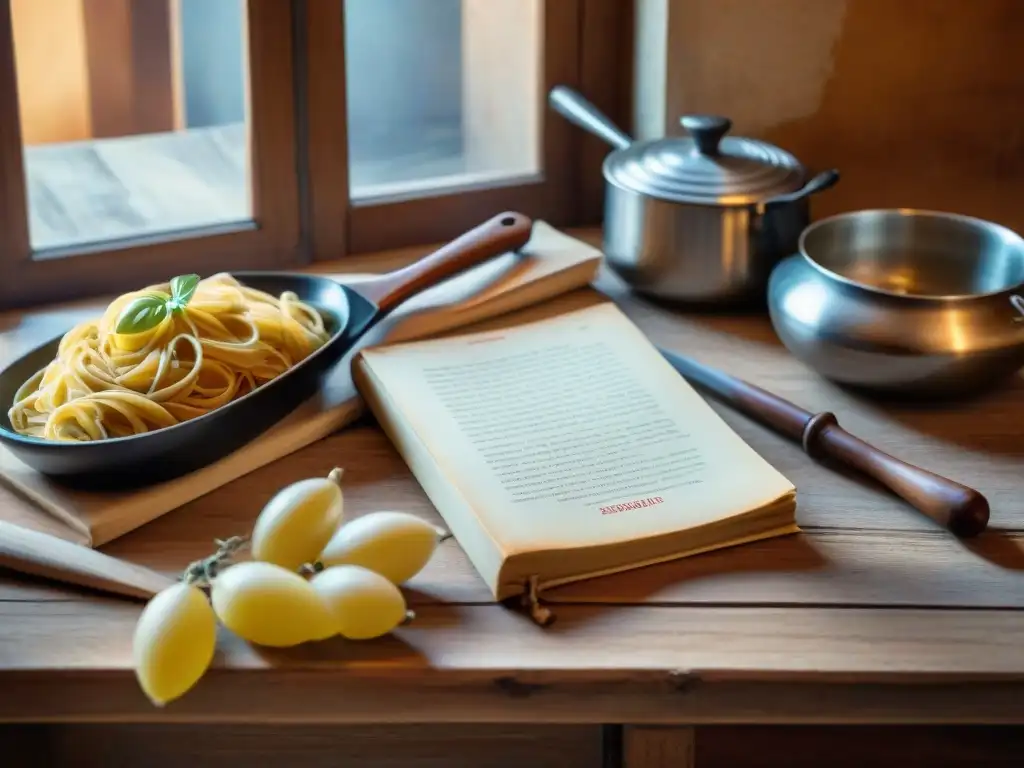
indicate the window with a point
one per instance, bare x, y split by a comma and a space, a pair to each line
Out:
113, 177
123, 136
145, 138
441, 94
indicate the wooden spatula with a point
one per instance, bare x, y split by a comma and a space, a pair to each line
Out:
39, 554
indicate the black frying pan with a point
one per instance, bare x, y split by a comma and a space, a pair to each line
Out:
173, 451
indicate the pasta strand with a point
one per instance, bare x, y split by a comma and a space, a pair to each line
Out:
225, 342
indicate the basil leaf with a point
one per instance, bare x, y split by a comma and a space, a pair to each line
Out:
182, 288
141, 314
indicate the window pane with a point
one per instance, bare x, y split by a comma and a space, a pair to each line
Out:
442, 93
132, 117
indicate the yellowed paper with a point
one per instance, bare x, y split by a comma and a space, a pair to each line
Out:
571, 432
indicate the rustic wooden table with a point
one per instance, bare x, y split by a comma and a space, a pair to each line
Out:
871, 617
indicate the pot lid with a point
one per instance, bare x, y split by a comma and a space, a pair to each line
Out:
706, 166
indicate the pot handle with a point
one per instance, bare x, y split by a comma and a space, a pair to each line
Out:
576, 109
819, 183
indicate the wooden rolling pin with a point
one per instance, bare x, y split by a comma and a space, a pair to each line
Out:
50, 557
962, 510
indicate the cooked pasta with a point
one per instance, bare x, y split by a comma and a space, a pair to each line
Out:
223, 342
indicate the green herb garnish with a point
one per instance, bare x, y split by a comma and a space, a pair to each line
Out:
150, 310
182, 288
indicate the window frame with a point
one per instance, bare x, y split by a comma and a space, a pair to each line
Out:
385, 224
299, 171
269, 240
586, 44
342, 226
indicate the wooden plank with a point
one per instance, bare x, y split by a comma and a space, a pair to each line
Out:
14, 237
606, 79
272, 699
838, 569
486, 664
320, 746
326, 127
827, 568
270, 116
821, 567
472, 746
654, 747
444, 215
713, 644
909, 746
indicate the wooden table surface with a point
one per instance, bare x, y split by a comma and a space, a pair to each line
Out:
871, 615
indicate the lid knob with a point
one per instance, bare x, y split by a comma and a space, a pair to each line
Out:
707, 131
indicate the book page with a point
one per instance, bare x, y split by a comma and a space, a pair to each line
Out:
572, 431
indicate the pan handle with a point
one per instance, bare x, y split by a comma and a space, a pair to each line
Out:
576, 109
501, 234
819, 183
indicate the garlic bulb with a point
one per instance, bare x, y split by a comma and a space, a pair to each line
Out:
396, 545
298, 521
174, 642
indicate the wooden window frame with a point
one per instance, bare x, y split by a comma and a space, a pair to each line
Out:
380, 225
299, 174
271, 239
586, 44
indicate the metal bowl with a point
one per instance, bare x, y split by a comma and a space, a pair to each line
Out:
904, 301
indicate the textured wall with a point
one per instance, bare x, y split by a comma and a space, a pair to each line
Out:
919, 103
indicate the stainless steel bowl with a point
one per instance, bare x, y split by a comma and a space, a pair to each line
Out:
918, 302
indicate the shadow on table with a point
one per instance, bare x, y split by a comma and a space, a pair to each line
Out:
1000, 547
716, 577
824, 569
987, 422
390, 648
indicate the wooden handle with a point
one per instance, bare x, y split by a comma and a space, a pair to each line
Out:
40, 554
962, 510
504, 233
771, 410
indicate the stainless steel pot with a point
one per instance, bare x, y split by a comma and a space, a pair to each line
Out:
701, 218
902, 301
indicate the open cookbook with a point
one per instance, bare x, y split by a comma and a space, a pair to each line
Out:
567, 447
552, 263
